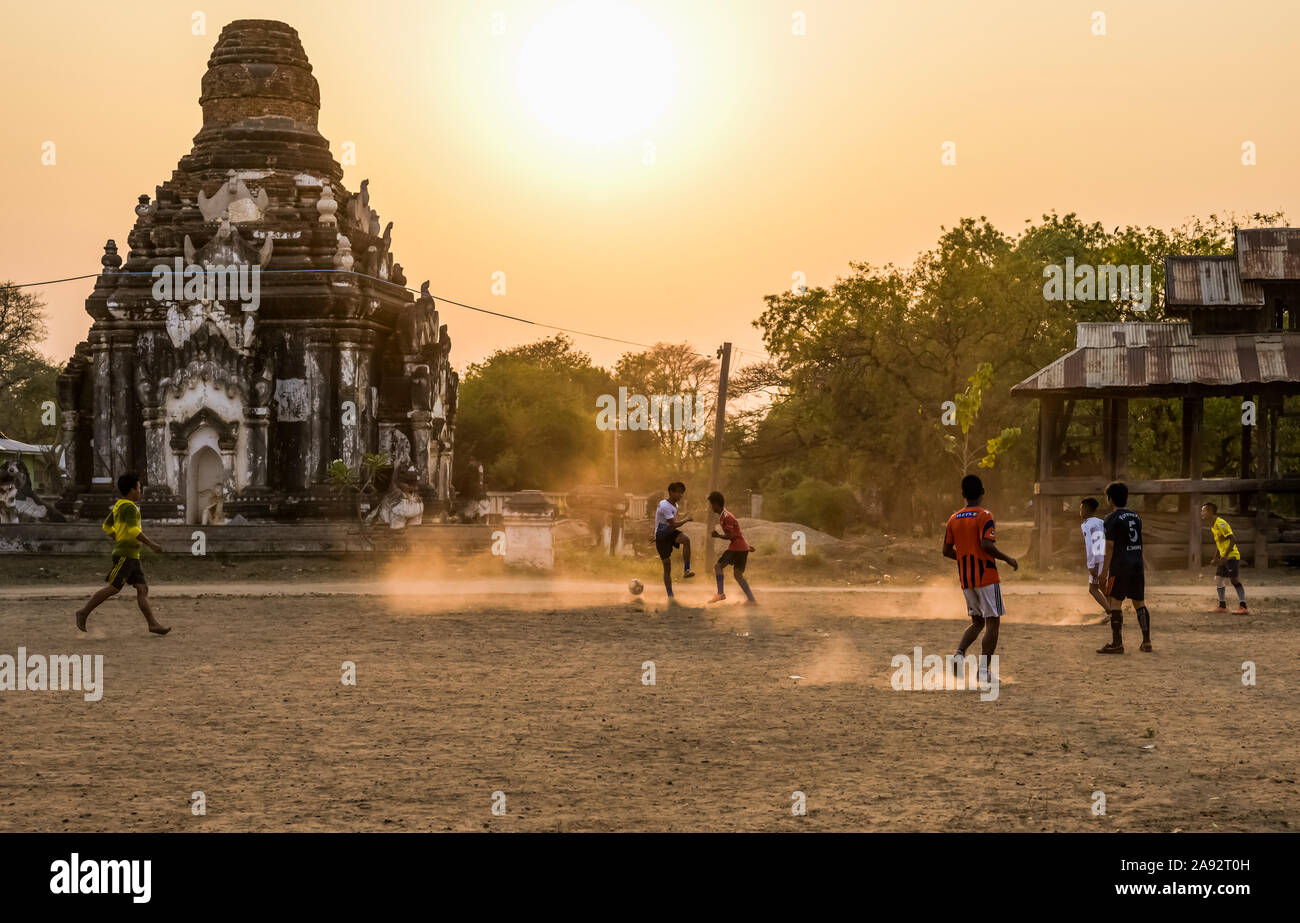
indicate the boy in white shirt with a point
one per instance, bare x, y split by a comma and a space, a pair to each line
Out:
668, 535
1094, 548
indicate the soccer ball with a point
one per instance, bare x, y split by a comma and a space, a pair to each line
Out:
635, 587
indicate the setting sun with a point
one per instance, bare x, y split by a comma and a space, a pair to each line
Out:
596, 71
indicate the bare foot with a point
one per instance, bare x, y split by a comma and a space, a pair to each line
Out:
82, 615
158, 629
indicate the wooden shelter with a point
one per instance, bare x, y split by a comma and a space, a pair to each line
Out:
1240, 339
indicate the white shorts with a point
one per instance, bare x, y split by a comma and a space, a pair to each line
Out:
984, 601
1094, 574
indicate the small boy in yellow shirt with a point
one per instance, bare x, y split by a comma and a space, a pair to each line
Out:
1228, 558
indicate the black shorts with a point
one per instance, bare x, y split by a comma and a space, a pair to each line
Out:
736, 559
1229, 567
1127, 586
126, 570
666, 541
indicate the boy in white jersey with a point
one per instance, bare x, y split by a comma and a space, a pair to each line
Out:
1094, 547
668, 535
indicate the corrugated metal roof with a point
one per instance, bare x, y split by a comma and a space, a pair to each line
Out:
1126, 334
1133, 357
1268, 253
1204, 281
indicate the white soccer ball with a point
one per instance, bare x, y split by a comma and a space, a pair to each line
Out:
635, 587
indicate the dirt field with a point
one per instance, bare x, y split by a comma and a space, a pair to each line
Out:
541, 697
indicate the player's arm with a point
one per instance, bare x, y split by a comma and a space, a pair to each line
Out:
146, 540
682, 519
950, 550
990, 548
1105, 564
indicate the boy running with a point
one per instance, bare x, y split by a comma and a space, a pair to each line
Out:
1122, 576
1228, 557
970, 540
123, 523
737, 553
668, 535
1094, 548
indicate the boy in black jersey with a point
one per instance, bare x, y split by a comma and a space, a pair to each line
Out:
1121, 572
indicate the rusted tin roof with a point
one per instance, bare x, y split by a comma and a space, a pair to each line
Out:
1137, 357
1268, 253
1205, 281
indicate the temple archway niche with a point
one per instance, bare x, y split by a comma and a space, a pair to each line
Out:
206, 477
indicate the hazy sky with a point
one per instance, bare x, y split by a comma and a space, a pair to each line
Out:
773, 152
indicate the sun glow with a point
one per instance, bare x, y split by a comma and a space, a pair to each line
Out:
596, 71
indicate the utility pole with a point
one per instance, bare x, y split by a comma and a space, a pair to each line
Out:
615, 453
724, 353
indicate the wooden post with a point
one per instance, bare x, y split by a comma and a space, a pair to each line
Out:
1193, 416
1048, 410
1108, 438
1261, 525
1247, 429
1121, 438
725, 355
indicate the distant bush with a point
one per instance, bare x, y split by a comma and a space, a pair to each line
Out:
813, 502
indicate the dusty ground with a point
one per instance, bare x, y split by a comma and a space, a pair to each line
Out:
541, 697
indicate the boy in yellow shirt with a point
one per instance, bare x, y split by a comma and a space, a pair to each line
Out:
123, 524
1228, 558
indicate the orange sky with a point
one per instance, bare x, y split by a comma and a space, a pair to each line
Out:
775, 153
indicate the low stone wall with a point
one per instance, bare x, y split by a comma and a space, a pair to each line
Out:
269, 538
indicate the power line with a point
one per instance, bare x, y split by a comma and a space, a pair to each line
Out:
349, 272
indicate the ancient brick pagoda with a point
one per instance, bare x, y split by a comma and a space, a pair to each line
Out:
210, 393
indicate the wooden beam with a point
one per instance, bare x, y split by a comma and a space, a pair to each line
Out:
1048, 449
1246, 470
1064, 487
1194, 467
1261, 527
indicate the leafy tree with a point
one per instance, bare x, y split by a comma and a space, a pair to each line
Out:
27, 379
527, 414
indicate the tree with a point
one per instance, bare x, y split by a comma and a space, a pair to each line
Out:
527, 414
27, 379
673, 370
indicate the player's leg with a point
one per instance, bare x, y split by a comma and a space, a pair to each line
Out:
667, 561
142, 600
1144, 622
100, 595
738, 571
1220, 584
1114, 603
718, 575
684, 544
1095, 591
1234, 574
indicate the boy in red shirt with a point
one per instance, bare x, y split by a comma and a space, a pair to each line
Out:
737, 552
971, 541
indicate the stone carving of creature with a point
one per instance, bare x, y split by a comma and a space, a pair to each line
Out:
385, 244
262, 388
144, 387
213, 504
401, 505
18, 502
421, 389
233, 201
227, 248
399, 450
